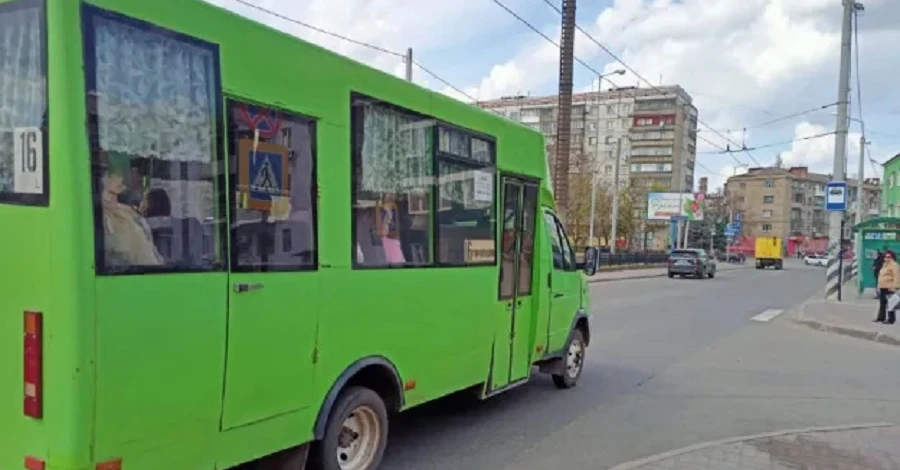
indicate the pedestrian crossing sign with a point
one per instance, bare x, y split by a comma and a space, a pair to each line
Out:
262, 174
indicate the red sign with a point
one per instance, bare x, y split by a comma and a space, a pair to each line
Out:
265, 120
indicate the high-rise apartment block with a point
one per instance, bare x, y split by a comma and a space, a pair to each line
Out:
658, 127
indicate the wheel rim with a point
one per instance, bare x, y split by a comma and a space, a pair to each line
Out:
359, 439
574, 358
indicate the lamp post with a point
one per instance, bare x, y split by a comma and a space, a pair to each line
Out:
600, 78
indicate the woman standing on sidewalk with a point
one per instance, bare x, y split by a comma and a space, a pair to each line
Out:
888, 283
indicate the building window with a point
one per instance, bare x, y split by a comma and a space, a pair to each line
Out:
592, 126
610, 125
766, 228
393, 184
608, 140
157, 182
592, 141
743, 185
578, 124
769, 183
767, 213
608, 169
24, 173
610, 109
768, 199
273, 191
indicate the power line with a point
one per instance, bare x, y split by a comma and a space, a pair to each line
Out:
785, 117
318, 29
357, 42
774, 144
445, 82
585, 64
641, 77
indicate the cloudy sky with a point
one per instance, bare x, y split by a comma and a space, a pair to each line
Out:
745, 62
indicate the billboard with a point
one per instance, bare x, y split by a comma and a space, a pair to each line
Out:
664, 206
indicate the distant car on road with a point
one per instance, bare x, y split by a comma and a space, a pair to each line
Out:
815, 260
691, 262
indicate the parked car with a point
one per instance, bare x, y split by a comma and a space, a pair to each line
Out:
691, 262
815, 260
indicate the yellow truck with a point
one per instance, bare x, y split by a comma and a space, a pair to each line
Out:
769, 252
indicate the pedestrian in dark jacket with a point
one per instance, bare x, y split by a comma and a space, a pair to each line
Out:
876, 267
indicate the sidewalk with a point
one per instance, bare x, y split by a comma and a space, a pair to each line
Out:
622, 273
852, 317
857, 447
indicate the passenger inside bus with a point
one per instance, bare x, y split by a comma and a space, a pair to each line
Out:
127, 238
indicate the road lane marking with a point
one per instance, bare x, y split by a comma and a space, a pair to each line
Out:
767, 315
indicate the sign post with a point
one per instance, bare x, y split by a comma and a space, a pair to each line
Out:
836, 201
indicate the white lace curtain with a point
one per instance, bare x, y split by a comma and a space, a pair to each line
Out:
396, 151
156, 94
22, 83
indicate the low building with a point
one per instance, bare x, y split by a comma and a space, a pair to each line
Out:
790, 204
890, 199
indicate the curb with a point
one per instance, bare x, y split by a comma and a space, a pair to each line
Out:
798, 317
875, 336
634, 464
648, 276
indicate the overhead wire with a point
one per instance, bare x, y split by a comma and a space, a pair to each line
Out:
592, 69
777, 144
638, 75
357, 42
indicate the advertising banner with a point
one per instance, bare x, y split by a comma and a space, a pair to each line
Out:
664, 206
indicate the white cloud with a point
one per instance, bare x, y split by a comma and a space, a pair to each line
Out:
393, 25
818, 153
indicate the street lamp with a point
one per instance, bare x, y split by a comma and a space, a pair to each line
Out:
600, 78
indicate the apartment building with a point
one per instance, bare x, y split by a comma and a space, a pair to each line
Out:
790, 203
657, 127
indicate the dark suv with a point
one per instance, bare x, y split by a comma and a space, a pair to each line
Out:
691, 262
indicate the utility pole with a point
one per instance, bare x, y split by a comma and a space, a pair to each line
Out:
564, 119
614, 235
835, 235
409, 64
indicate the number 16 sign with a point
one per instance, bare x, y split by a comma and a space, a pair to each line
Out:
28, 158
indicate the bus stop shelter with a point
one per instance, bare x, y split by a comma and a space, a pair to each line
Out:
879, 234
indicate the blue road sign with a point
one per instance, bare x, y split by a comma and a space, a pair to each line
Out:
836, 196
266, 175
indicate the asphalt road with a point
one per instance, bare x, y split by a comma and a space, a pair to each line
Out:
672, 362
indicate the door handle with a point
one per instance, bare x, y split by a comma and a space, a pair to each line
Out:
241, 287
558, 295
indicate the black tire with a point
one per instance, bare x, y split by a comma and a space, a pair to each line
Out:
353, 399
569, 377
671, 275
712, 274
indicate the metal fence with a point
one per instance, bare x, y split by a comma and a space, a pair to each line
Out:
638, 257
